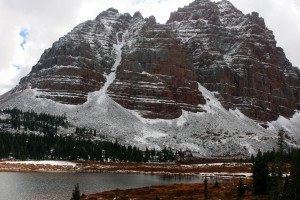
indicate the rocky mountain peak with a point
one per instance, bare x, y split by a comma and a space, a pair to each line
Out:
200, 2
137, 15
229, 15
199, 9
150, 22
110, 12
226, 5
256, 19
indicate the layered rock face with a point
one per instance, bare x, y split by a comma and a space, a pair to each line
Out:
156, 75
236, 55
206, 42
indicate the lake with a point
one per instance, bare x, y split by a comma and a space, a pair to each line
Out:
59, 186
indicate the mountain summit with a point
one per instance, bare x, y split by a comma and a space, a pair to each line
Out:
211, 78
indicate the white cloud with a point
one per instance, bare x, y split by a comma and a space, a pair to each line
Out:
46, 21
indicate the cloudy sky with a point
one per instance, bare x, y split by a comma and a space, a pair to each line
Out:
28, 27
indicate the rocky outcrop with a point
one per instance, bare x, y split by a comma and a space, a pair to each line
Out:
236, 55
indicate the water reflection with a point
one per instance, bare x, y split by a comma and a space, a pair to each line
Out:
177, 177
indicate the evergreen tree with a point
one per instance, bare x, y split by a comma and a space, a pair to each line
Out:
205, 189
280, 141
241, 189
287, 193
216, 185
293, 185
260, 175
147, 155
280, 153
276, 181
76, 193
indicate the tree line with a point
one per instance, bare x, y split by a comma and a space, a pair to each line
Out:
41, 147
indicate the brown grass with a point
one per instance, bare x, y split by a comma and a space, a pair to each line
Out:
227, 191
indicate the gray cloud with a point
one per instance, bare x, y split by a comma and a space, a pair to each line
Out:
46, 21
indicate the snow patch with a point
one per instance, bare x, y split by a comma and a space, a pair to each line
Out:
213, 164
149, 134
182, 119
236, 112
43, 162
112, 76
291, 125
212, 103
150, 121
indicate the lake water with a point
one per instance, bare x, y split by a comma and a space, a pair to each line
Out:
59, 186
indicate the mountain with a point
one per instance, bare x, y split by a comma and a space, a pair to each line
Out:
210, 80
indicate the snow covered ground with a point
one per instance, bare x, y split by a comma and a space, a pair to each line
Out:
214, 164
43, 162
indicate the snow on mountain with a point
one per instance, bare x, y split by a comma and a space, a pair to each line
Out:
203, 133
